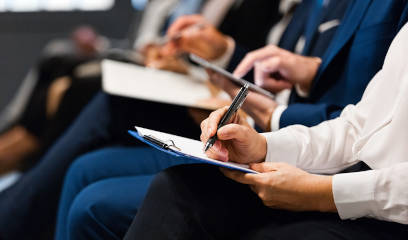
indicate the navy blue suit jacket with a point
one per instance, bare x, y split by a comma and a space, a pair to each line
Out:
354, 56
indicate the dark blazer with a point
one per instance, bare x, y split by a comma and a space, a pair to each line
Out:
297, 28
249, 22
354, 56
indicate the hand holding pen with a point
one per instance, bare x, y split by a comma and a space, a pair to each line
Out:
193, 34
232, 110
233, 139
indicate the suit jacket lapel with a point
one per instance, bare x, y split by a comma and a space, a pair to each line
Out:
353, 17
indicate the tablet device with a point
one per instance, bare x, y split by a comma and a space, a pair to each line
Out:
204, 63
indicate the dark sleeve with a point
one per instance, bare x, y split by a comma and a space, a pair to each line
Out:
308, 114
249, 22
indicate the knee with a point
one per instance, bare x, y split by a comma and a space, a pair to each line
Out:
82, 166
79, 218
87, 216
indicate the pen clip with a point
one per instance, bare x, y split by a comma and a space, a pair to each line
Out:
169, 144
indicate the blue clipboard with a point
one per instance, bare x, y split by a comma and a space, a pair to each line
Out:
170, 148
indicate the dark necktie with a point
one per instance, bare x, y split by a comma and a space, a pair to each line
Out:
313, 22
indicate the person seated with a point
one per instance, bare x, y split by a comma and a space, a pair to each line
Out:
104, 171
64, 86
55, 86
302, 189
103, 133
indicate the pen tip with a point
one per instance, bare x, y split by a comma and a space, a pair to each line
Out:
207, 146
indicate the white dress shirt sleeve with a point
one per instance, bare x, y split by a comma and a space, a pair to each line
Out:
300, 92
312, 149
373, 131
376, 193
326, 148
276, 115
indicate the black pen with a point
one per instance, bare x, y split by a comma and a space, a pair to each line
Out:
236, 104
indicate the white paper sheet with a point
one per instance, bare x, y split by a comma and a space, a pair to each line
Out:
129, 80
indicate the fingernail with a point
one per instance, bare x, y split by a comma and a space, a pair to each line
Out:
238, 75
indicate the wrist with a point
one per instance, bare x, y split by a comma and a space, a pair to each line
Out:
220, 47
263, 148
230, 88
323, 194
313, 66
223, 59
268, 114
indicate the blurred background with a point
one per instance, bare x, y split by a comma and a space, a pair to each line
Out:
27, 26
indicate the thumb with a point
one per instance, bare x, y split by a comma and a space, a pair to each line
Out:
233, 131
276, 86
264, 167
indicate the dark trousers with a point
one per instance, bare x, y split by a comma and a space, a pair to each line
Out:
28, 208
198, 202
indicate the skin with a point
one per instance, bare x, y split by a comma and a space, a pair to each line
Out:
205, 41
155, 59
259, 107
275, 69
278, 185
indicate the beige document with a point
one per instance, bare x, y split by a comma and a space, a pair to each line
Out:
129, 80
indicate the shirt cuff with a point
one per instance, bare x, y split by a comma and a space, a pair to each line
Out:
281, 147
276, 115
300, 92
354, 194
224, 60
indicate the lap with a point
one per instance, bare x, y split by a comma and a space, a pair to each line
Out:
326, 226
107, 206
121, 161
202, 202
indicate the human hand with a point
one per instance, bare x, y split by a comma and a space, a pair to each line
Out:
282, 186
223, 83
155, 59
204, 40
87, 41
258, 106
276, 69
237, 141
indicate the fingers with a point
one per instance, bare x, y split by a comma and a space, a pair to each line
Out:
263, 78
204, 135
216, 78
170, 49
241, 177
276, 86
213, 120
265, 167
234, 131
218, 152
183, 22
251, 58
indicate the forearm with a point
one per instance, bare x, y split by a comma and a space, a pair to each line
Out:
326, 148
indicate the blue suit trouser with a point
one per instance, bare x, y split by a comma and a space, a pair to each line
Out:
103, 190
31, 203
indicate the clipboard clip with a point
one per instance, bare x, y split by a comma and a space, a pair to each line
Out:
168, 145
